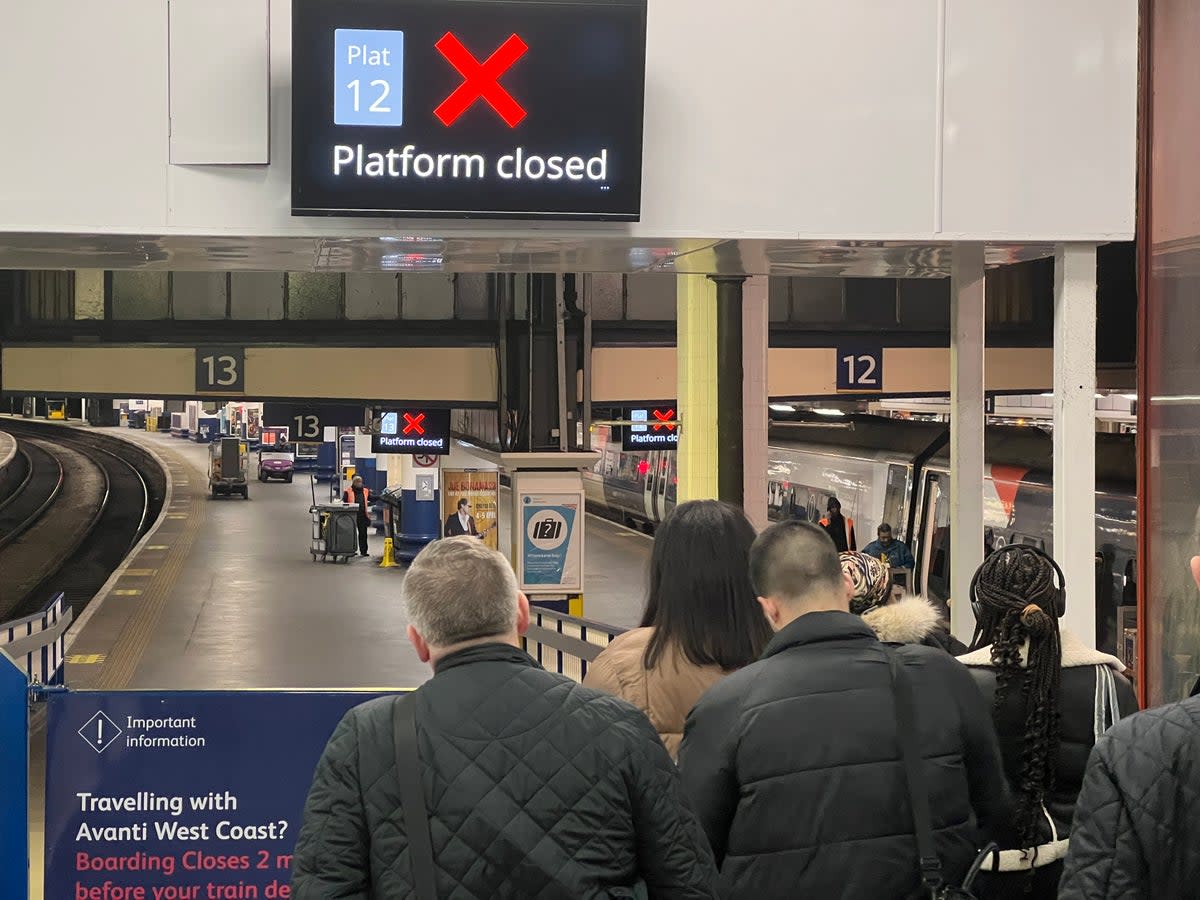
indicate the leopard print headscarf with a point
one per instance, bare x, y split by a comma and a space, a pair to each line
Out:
871, 577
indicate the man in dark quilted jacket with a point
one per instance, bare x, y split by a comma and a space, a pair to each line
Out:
1136, 834
536, 787
793, 762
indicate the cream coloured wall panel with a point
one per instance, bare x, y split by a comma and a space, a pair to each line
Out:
775, 119
83, 87
462, 374
633, 375
417, 374
1040, 117
116, 371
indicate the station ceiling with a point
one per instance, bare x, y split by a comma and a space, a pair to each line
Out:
500, 253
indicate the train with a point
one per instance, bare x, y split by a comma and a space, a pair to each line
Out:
898, 471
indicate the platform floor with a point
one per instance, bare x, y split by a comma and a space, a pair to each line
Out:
226, 595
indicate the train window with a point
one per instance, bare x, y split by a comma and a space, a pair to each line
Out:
1129, 587
893, 499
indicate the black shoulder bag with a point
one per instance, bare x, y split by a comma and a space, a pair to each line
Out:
412, 796
933, 884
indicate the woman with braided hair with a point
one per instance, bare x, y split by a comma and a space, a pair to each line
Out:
1052, 696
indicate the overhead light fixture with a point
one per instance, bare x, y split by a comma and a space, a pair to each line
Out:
782, 407
1048, 394
1130, 397
826, 411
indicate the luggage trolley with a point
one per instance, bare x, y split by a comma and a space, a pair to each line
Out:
334, 530
227, 464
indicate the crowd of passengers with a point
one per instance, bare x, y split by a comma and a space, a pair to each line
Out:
780, 726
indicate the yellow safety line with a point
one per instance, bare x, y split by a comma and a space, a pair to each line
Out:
126, 654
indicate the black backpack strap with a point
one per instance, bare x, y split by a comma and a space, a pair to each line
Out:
412, 796
914, 771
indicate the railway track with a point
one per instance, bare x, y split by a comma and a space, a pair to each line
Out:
79, 506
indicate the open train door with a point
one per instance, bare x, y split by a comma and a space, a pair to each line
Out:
658, 475
933, 529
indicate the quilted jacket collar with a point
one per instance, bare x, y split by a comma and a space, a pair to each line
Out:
498, 652
816, 627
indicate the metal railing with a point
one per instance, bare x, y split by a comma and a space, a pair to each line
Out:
36, 643
566, 644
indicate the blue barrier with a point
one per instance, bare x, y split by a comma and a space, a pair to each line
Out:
14, 780
187, 790
37, 642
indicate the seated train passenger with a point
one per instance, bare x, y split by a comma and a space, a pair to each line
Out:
1051, 697
885, 546
907, 620
793, 762
495, 778
701, 620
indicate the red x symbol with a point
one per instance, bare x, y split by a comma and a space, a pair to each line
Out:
664, 419
480, 80
413, 423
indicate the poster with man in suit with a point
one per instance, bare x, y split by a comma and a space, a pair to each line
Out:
470, 504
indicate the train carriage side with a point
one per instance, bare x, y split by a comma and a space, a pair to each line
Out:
1019, 509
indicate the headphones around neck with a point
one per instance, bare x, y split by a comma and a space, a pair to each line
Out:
1058, 599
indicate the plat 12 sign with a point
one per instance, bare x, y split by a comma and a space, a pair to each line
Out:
477, 108
661, 431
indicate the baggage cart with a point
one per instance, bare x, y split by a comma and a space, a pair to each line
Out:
334, 529
228, 460
334, 532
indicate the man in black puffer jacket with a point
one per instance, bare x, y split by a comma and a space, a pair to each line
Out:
1136, 834
536, 788
793, 763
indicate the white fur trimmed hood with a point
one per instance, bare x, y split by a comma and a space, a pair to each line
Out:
1075, 653
908, 620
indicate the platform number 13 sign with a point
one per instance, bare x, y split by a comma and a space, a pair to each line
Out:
220, 370
860, 369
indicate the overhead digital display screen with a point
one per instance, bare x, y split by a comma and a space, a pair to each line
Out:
476, 108
661, 431
415, 431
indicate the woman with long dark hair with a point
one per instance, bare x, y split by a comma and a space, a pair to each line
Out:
1052, 696
702, 618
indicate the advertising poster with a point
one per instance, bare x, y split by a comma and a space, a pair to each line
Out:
177, 794
481, 490
551, 543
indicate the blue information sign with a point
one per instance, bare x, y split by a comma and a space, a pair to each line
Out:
368, 77
551, 546
154, 795
860, 368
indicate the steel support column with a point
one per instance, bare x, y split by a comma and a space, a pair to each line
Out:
755, 330
730, 461
1075, 432
967, 316
585, 400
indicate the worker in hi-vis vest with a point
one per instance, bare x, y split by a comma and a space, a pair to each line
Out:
359, 495
840, 528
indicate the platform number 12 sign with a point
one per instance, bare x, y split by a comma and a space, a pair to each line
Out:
860, 369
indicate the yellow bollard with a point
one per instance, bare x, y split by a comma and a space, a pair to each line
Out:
389, 559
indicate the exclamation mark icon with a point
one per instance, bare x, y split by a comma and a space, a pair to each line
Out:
99, 732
